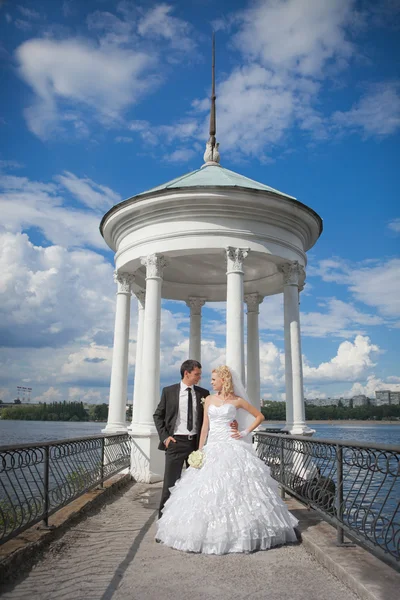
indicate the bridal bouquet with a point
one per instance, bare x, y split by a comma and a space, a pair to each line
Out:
196, 459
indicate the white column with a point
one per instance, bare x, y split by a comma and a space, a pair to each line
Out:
150, 378
119, 370
141, 298
195, 303
234, 310
293, 277
147, 462
253, 348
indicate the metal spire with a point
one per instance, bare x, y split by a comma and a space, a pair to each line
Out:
213, 96
211, 154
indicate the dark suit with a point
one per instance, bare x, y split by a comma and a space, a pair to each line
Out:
177, 453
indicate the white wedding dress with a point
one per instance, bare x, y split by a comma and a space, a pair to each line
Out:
231, 504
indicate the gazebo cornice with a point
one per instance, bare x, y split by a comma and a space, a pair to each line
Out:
219, 202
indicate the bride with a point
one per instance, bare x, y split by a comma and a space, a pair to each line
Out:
231, 503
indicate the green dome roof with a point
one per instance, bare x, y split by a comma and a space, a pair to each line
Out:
214, 176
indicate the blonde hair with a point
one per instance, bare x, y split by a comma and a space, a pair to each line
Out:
227, 384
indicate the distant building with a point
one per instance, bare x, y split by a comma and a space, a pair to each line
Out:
382, 397
327, 401
360, 400
394, 397
387, 397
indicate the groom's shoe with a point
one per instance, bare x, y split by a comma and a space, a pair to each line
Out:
158, 541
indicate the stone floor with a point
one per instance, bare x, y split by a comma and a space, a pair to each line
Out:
112, 555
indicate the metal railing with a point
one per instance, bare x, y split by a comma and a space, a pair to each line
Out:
36, 480
352, 485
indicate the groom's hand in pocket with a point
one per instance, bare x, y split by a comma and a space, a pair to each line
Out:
169, 440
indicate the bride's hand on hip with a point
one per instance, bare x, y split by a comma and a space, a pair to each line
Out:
238, 435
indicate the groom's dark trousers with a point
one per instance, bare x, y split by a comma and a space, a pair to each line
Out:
177, 453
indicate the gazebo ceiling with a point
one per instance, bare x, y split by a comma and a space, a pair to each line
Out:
205, 275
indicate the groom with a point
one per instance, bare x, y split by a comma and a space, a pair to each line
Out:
178, 419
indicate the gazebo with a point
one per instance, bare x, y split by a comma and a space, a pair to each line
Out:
212, 235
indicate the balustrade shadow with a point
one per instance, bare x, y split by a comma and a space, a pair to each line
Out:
351, 485
36, 480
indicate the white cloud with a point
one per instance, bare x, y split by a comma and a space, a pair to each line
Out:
71, 72
291, 50
159, 23
353, 359
28, 13
378, 286
10, 165
375, 282
91, 396
301, 36
49, 296
272, 366
395, 225
376, 114
180, 156
337, 318
313, 393
88, 363
45, 208
372, 384
23, 25
52, 394
95, 196
114, 31
254, 109
341, 319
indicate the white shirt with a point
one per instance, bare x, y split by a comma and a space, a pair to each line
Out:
181, 421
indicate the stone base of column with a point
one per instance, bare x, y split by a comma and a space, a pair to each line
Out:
298, 429
147, 461
115, 428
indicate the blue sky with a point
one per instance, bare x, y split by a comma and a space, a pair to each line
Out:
102, 100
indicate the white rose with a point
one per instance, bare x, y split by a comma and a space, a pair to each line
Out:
196, 459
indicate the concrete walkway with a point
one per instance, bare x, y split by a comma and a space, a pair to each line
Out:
112, 555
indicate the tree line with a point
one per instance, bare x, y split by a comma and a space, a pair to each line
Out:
276, 411
56, 411
272, 411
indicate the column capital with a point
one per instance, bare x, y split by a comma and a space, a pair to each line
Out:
124, 281
253, 301
195, 303
292, 272
235, 258
141, 296
154, 264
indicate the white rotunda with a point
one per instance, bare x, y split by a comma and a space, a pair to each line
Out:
210, 235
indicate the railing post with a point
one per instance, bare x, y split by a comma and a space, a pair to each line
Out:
339, 495
103, 443
46, 486
282, 469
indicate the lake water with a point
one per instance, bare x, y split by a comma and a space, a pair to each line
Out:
25, 432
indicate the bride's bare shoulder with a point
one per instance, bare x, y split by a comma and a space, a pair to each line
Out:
238, 401
211, 399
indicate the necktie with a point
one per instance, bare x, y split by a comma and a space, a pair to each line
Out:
190, 410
